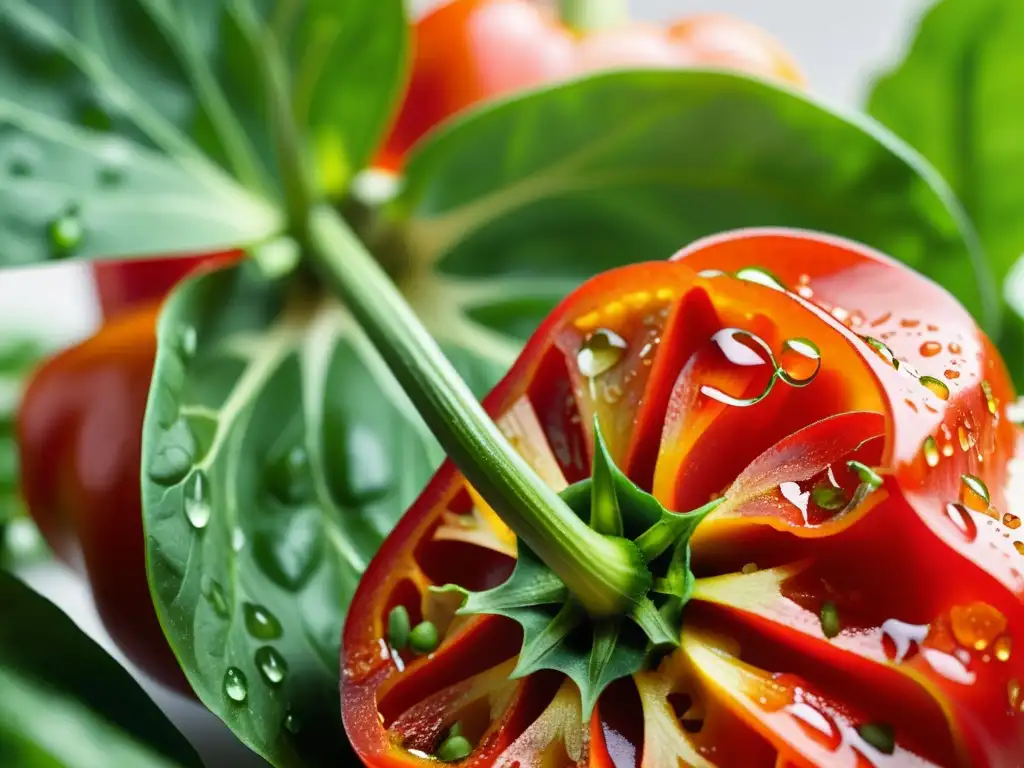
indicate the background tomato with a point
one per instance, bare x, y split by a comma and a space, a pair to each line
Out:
467, 51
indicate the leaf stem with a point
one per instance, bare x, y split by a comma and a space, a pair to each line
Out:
593, 15
606, 574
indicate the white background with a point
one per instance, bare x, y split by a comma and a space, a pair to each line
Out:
840, 44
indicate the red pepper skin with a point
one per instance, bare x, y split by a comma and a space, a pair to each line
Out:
80, 435
925, 576
123, 285
467, 51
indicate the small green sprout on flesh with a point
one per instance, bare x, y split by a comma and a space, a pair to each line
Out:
558, 633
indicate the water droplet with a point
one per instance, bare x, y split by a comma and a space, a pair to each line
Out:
990, 398
818, 725
799, 361
197, 504
954, 348
976, 625
214, 594
272, 665
1019, 546
1003, 648
966, 439
260, 622
66, 232
959, 515
292, 724
22, 157
974, 493
236, 687
1011, 521
288, 477
290, 552
950, 374
930, 449
601, 351
237, 540
882, 349
936, 387
188, 341
173, 456
829, 498
930, 349
761, 277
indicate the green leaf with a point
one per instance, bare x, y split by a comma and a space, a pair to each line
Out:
955, 98
516, 202
136, 127
65, 703
280, 453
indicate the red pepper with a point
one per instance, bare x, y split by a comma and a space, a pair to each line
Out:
124, 285
827, 627
467, 51
79, 437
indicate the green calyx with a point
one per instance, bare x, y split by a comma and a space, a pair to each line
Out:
558, 632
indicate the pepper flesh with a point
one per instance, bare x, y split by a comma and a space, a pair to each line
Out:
796, 649
468, 51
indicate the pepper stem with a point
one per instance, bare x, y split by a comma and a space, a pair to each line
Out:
607, 575
593, 15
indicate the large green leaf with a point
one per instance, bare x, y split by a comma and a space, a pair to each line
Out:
280, 453
516, 201
65, 702
956, 98
137, 127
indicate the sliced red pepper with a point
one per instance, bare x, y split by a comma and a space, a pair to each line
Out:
859, 593
858, 599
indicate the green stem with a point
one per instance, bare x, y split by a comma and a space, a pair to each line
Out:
592, 15
607, 575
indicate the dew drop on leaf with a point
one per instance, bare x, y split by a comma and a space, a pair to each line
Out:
974, 493
761, 277
173, 456
936, 387
962, 520
271, 665
196, 501
236, 687
260, 622
601, 351
66, 231
214, 594
292, 724
290, 553
114, 158
188, 342
288, 477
